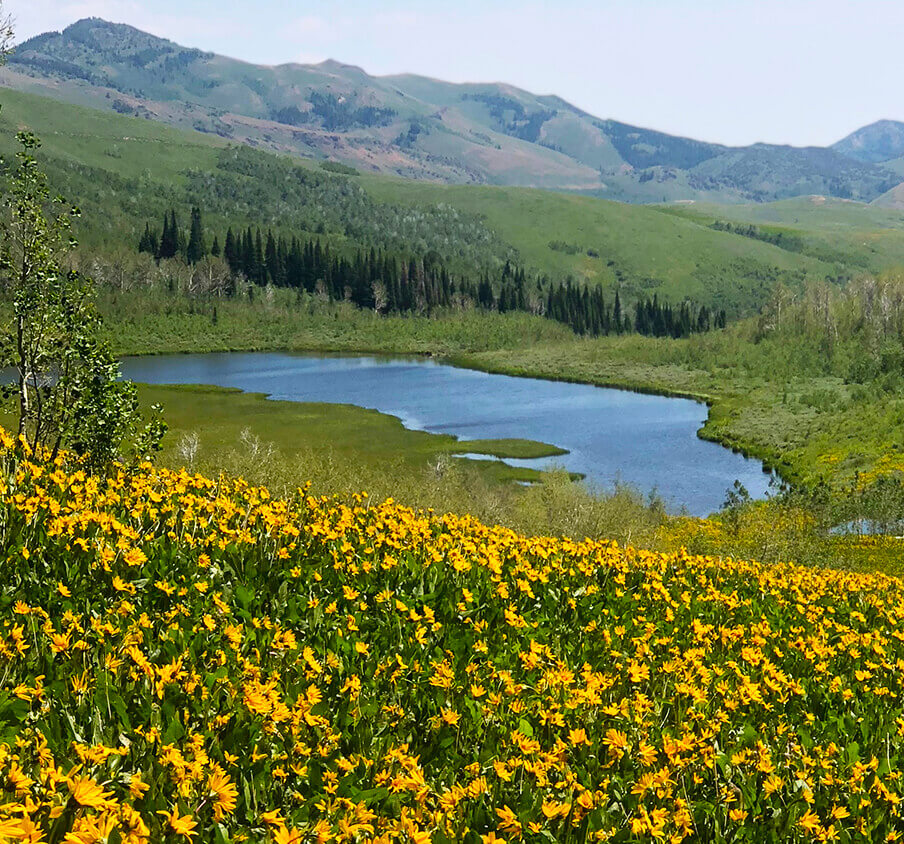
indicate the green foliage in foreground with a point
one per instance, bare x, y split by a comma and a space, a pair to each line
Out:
194, 658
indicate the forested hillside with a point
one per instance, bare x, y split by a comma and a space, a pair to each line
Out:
126, 172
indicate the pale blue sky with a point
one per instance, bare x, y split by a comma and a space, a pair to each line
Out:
733, 71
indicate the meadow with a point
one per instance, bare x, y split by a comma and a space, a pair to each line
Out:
827, 228
225, 421
193, 659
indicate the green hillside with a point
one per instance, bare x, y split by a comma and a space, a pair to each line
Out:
130, 148
639, 249
127, 170
865, 236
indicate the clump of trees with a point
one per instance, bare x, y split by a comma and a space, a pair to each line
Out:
777, 237
391, 282
854, 331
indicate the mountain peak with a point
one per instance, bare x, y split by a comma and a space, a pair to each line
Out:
94, 27
342, 68
94, 22
875, 143
99, 38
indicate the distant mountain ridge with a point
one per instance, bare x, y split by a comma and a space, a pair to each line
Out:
879, 142
424, 128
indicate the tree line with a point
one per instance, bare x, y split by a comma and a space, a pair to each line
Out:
782, 239
386, 282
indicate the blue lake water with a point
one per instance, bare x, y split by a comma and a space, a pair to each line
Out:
649, 442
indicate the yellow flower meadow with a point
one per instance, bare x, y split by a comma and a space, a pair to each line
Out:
188, 659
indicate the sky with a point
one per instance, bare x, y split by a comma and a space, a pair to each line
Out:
803, 72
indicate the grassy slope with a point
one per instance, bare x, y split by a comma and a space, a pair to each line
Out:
866, 236
647, 246
129, 147
643, 248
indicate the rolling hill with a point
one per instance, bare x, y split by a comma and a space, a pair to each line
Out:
420, 128
868, 237
125, 171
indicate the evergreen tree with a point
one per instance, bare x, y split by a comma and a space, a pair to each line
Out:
177, 236
231, 252
271, 260
259, 269
164, 238
196, 248
247, 255
170, 240
149, 242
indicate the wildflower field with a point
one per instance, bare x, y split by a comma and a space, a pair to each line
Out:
189, 659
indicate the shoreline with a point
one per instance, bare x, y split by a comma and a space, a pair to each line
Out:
466, 360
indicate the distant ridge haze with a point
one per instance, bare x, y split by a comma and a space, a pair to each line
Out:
424, 128
777, 71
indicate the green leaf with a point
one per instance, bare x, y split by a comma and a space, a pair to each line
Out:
243, 596
174, 730
119, 705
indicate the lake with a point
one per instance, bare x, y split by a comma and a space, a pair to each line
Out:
647, 441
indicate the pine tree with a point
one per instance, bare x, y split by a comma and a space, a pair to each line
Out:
148, 242
259, 270
176, 233
164, 238
170, 239
271, 260
247, 253
196, 248
231, 252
